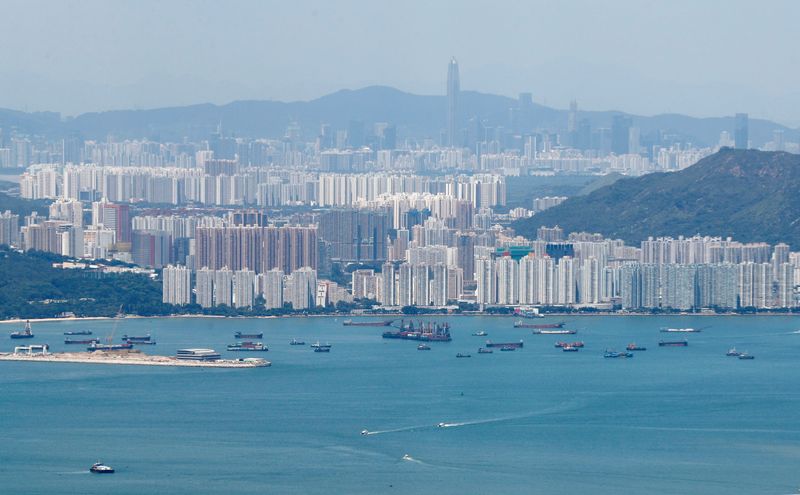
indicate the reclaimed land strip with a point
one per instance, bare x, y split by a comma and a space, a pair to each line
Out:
130, 359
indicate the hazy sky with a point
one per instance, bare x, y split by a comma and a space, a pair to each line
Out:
699, 58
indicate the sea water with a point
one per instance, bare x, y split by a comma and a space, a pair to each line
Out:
536, 420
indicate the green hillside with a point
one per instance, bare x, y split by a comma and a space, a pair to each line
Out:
747, 194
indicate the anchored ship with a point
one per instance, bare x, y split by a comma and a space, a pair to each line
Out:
24, 334
248, 346
79, 332
426, 332
554, 332
240, 335
109, 347
501, 345
351, 323
522, 324
673, 343
81, 341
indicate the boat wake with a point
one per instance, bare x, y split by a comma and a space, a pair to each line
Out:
570, 405
394, 430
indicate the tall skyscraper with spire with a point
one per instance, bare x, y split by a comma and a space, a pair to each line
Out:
453, 88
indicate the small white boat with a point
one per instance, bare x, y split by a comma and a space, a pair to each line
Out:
365, 432
100, 468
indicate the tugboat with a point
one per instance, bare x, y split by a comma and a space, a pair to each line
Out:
460, 355
296, 342
745, 355
480, 333
423, 347
508, 348
633, 347
733, 352
79, 332
100, 468
240, 335
322, 349
482, 350
24, 334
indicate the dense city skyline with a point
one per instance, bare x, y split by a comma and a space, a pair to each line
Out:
101, 62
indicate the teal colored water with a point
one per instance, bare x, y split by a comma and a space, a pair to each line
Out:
537, 420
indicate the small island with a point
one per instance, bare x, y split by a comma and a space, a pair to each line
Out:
131, 357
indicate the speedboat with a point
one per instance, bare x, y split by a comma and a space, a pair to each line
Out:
480, 333
733, 352
365, 432
423, 347
441, 425
569, 348
745, 355
460, 355
100, 468
296, 342
482, 350
407, 457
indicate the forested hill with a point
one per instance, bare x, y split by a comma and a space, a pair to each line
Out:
747, 194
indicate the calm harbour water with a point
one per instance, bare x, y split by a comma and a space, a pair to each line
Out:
537, 420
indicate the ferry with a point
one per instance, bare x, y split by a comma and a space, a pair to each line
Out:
81, 341
135, 338
569, 348
109, 347
480, 333
100, 468
460, 355
519, 344
296, 342
240, 335
673, 343
482, 350
248, 346
633, 347
24, 334
423, 347
554, 332
79, 332
615, 354
745, 355
733, 352
322, 349
681, 330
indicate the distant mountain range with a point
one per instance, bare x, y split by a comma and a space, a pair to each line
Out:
416, 116
747, 194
